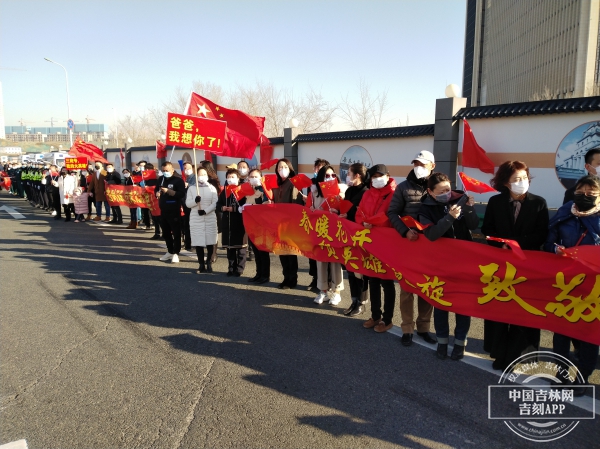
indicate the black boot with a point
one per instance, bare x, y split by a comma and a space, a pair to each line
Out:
352, 306
209, 267
201, 268
442, 351
358, 309
458, 352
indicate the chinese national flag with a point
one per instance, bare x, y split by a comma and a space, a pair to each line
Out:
268, 164
136, 179
148, 174
270, 182
513, 244
81, 148
232, 189
301, 181
345, 206
472, 154
412, 223
329, 188
122, 155
161, 151
473, 185
243, 132
266, 150
245, 190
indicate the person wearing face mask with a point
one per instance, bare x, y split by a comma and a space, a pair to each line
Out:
155, 218
233, 231
407, 201
577, 223
145, 212
114, 178
243, 169
170, 190
202, 201
330, 278
80, 196
263, 259
447, 219
285, 192
312, 264
53, 193
514, 214
373, 209
90, 198
592, 166
189, 178
66, 189
128, 181
98, 191
213, 179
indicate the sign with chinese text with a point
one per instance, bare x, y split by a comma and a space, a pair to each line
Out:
133, 196
544, 291
76, 163
195, 132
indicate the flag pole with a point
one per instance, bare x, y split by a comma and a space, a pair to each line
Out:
187, 106
195, 168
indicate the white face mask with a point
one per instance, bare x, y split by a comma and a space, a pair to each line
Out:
421, 172
349, 181
127, 175
519, 188
142, 168
203, 179
189, 172
284, 172
255, 182
234, 181
243, 171
110, 170
379, 183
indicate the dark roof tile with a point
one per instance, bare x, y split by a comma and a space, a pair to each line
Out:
377, 133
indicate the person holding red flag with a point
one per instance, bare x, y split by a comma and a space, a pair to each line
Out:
372, 211
287, 193
233, 231
407, 202
514, 214
448, 219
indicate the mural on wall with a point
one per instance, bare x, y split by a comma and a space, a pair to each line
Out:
570, 155
354, 154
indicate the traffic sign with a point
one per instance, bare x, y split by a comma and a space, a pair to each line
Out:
70, 124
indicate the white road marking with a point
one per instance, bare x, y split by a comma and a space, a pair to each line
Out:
19, 444
14, 214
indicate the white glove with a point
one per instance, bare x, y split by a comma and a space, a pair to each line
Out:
241, 208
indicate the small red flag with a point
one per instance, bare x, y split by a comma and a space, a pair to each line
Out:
6, 183
345, 206
333, 202
148, 174
267, 165
245, 190
122, 155
472, 154
137, 179
301, 181
265, 186
513, 244
473, 185
412, 223
585, 254
270, 182
329, 188
266, 150
161, 151
309, 201
232, 190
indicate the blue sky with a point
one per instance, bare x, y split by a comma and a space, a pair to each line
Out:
131, 55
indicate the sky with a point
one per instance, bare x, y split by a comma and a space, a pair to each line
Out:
125, 56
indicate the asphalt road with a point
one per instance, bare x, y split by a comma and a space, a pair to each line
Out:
104, 346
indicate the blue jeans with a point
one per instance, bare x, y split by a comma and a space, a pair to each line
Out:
99, 209
442, 328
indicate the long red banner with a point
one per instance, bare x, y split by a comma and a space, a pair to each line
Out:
133, 196
544, 290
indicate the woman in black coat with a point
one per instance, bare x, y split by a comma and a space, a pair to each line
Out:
232, 225
357, 181
518, 215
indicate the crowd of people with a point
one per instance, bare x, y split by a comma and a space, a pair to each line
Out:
195, 209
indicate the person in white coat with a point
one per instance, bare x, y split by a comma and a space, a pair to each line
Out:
66, 189
203, 220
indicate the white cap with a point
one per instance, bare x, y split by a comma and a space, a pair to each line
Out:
424, 157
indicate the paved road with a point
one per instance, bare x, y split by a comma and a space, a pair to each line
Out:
103, 346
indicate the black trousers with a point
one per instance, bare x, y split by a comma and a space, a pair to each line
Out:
312, 267
117, 214
90, 202
290, 269
200, 254
389, 299
237, 259
359, 287
262, 260
146, 217
171, 227
156, 221
185, 228
588, 354
69, 209
56, 202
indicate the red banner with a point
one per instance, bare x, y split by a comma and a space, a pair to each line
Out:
194, 132
76, 163
544, 291
133, 196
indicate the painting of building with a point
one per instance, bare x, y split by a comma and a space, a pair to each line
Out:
570, 155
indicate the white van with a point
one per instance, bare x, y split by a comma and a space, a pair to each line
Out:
55, 158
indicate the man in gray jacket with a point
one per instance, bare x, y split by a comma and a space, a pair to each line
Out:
407, 201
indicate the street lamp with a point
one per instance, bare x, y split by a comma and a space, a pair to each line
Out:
68, 100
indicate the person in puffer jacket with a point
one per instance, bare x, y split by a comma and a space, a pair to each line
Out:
372, 211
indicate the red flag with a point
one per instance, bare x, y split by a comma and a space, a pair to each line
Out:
81, 148
122, 155
268, 164
268, 191
472, 154
329, 188
301, 181
161, 152
245, 190
266, 149
136, 179
333, 202
6, 182
243, 131
270, 182
585, 254
149, 174
513, 244
473, 185
412, 223
232, 189
345, 206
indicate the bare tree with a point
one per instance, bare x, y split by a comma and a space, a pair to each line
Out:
314, 113
139, 129
368, 111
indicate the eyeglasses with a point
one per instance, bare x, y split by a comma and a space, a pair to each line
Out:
331, 176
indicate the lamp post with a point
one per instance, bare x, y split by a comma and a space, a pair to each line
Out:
68, 100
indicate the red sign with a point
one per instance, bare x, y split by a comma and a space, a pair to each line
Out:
76, 163
195, 132
545, 291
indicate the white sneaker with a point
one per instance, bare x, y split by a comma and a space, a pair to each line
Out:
167, 256
175, 258
320, 298
54, 213
335, 299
